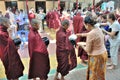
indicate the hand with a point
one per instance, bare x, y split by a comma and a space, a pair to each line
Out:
81, 44
69, 60
79, 34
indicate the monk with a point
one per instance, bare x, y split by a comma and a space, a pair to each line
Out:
48, 19
56, 20
79, 28
8, 53
39, 58
77, 23
65, 52
51, 20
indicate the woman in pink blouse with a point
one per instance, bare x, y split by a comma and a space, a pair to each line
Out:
94, 46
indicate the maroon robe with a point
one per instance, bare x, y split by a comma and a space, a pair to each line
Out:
9, 56
77, 24
39, 59
81, 53
51, 20
106, 12
64, 48
72, 52
48, 19
56, 20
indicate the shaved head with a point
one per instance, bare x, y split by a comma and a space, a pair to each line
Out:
35, 24
4, 21
34, 21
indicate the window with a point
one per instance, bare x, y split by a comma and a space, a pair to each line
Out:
12, 5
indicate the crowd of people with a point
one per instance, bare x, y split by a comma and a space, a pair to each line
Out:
98, 38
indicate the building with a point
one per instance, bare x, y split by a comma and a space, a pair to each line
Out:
46, 4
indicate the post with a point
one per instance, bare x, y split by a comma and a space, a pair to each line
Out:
59, 5
53, 4
76, 4
69, 1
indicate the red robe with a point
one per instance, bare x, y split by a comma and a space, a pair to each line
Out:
39, 59
51, 20
77, 24
56, 20
48, 19
9, 56
64, 48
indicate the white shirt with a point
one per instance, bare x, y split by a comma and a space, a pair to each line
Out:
115, 27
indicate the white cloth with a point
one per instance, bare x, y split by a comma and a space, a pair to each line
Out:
114, 43
110, 6
114, 54
116, 39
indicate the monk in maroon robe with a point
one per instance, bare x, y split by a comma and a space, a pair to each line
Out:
39, 58
65, 52
56, 20
8, 53
51, 20
48, 19
77, 23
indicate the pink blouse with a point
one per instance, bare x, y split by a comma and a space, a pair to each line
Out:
95, 42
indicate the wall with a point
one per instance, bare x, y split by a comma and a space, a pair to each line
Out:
2, 7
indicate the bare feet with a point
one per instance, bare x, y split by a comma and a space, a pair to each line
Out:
56, 78
108, 64
111, 67
62, 78
84, 63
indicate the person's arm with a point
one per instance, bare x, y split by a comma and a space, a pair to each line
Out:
88, 46
69, 59
103, 24
81, 34
112, 34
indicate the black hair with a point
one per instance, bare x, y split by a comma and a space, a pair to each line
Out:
21, 10
89, 20
112, 16
104, 16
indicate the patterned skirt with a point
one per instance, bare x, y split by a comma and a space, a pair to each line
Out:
97, 67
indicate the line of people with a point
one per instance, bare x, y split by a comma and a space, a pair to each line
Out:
94, 49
